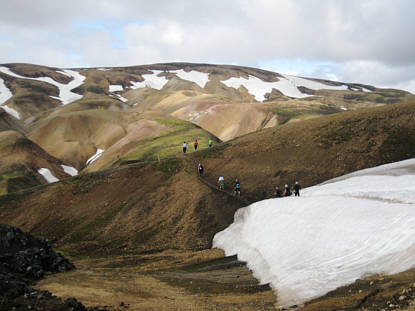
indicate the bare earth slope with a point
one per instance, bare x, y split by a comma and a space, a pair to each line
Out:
20, 160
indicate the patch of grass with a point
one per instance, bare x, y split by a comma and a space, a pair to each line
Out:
85, 233
170, 142
169, 166
284, 115
8, 199
23, 142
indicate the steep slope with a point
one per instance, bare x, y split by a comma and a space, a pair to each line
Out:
10, 123
138, 208
24, 164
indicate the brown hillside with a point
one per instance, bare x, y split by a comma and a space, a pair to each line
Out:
130, 209
315, 150
9, 123
20, 159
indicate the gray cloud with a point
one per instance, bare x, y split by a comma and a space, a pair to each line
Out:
348, 34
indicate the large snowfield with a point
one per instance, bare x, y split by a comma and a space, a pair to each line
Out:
344, 229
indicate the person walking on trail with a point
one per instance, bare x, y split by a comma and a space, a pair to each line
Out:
278, 192
237, 187
221, 182
184, 147
195, 144
210, 142
200, 169
287, 190
297, 188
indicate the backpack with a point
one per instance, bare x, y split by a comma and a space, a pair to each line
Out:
200, 167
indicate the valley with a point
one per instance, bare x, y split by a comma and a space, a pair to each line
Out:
137, 220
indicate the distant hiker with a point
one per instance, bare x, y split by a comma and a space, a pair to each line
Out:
237, 187
210, 142
278, 192
184, 147
297, 188
221, 182
196, 144
287, 190
200, 169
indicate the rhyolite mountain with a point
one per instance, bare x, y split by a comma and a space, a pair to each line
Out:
89, 119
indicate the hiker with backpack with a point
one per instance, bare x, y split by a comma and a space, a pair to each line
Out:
200, 169
237, 187
210, 142
278, 192
221, 182
287, 190
297, 188
195, 144
184, 147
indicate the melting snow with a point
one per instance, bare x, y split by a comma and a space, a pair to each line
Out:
288, 85
95, 156
151, 80
123, 99
70, 170
5, 95
116, 88
65, 94
347, 228
47, 174
200, 78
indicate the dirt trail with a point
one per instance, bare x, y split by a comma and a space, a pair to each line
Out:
218, 284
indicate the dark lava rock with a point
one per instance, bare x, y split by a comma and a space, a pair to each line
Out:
23, 259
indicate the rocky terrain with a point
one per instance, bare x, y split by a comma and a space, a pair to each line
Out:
23, 259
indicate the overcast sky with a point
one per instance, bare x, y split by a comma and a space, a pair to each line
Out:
366, 41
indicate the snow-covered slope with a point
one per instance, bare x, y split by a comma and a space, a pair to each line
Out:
200, 78
350, 227
288, 85
65, 94
151, 80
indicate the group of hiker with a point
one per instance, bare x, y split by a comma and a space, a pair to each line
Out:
279, 193
196, 144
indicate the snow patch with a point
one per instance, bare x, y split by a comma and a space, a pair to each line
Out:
116, 88
104, 69
5, 95
288, 85
123, 99
348, 228
11, 111
70, 170
47, 174
200, 78
151, 80
95, 156
65, 94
